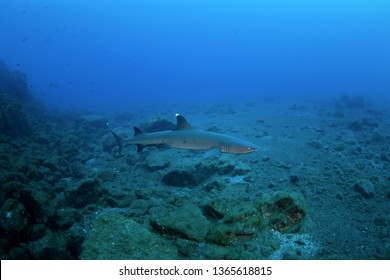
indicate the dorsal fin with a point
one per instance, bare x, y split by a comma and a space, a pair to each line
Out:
137, 131
181, 123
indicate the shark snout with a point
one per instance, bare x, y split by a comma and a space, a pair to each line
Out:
243, 149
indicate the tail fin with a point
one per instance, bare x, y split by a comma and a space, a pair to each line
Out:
118, 140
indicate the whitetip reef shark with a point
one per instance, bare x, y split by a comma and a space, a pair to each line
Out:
185, 137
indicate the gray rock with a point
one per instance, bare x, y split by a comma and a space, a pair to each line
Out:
205, 169
66, 217
365, 188
89, 192
235, 222
316, 144
140, 207
115, 236
13, 217
77, 169
339, 146
93, 121
376, 137
185, 222
106, 175
385, 157
52, 162
43, 171
157, 161
225, 167
371, 122
3, 176
355, 125
241, 169
354, 102
51, 246
38, 231
180, 178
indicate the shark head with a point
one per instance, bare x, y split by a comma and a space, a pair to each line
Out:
244, 147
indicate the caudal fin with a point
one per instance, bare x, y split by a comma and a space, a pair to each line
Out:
118, 140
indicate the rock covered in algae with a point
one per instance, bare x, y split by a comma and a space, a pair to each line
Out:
190, 177
13, 119
201, 172
284, 211
92, 122
365, 188
234, 221
185, 222
88, 192
115, 236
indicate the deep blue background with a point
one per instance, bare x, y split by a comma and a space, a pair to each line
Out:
121, 54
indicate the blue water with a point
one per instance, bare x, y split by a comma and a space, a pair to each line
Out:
120, 54
317, 188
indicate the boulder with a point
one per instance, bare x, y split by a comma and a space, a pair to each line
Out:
52, 162
185, 222
92, 121
157, 161
234, 221
13, 119
88, 192
365, 188
115, 236
354, 102
355, 125
241, 169
158, 125
180, 178
284, 211
66, 217
14, 218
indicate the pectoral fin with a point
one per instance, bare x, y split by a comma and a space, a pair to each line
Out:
211, 153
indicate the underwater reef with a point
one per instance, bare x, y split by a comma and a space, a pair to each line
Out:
319, 188
18, 107
13, 119
15, 84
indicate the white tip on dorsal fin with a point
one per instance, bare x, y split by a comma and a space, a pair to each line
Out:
181, 123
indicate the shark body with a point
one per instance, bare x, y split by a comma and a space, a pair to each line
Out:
183, 136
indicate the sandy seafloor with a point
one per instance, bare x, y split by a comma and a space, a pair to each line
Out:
333, 156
